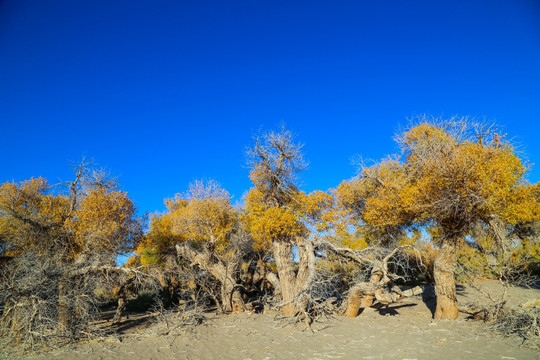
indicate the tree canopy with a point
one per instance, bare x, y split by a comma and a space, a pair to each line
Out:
451, 175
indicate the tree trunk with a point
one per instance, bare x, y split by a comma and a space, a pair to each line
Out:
231, 298
120, 308
64, 318
121, 292
273, 279
361, 295
353, 301
287, 278
224, 272
445, 286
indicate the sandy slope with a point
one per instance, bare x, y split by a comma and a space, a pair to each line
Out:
403, 331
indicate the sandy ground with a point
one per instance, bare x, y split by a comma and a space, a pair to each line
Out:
401, 331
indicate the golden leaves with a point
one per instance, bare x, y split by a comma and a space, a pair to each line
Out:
28, 212
269, 223
31, 215
203, 214
444, 178
275, 223
106, 221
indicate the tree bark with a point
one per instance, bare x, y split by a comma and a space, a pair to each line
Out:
445, 286
121, 292
273, 279
361, 295
121, 306
64, 317
353, 301
231, 299
287, 278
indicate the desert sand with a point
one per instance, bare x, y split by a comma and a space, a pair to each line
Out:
400, 331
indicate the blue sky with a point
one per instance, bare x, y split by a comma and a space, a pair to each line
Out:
162, 93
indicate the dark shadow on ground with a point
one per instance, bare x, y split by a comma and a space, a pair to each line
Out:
389, 309
128, 321
430, 299
532, 284
132, 322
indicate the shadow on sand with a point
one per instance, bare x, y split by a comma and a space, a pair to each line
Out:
390, 309
429, 298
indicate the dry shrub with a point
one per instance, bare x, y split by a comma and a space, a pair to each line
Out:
50, 301
521, 322
510, 265
43, 303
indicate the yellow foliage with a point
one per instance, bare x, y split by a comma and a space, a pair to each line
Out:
31, 201
353, 241
30, 215
133, 261
444, 179
106, 221
28, 212
210, 219
269, 223
161, 234
150, 256
204, 215
318, 209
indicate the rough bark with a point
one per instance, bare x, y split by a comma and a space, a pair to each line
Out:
231, 299
361, 295
287, 278
306, 265
273, 279
445, 286
121, 292
120, 308
267, 277
306, 277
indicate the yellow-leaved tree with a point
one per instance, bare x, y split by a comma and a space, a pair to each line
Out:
88, 219
32, 217
452, 175
203, 229
53, 236
277, 213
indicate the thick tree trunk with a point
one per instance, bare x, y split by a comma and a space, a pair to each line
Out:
361, 295
287, 278
120, 308
273, 279
306, 277
121, 292
354, 300
445, 286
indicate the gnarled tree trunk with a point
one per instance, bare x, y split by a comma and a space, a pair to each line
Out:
287, 278
361, 295
445, 286
231, 299
266, 278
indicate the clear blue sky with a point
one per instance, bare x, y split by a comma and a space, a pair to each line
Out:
165, 92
